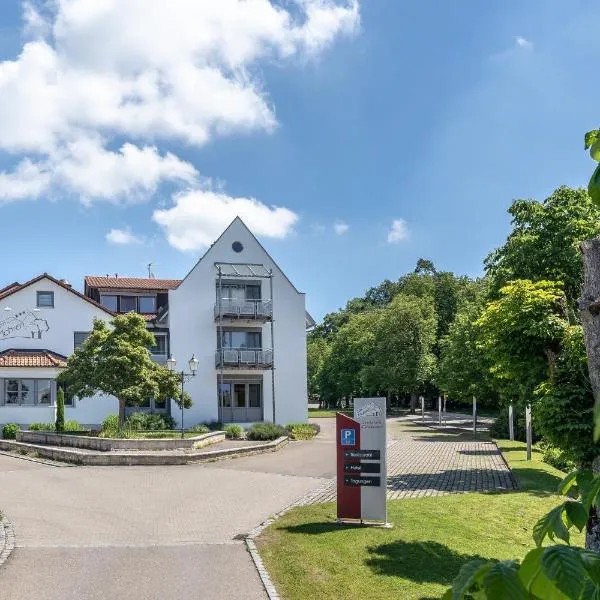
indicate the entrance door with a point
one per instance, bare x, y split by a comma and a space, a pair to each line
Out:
240, 402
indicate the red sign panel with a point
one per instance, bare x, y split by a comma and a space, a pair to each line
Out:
348, 438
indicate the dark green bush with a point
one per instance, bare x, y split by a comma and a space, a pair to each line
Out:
265, 432
41, 427
110, 424
60, 410
234, 432
557, 458
148, 421
302, 431
499, 428
9, 431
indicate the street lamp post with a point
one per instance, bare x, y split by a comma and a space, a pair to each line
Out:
193, 365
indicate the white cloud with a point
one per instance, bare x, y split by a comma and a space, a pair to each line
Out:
198, 217
340, 227
521, 42
398, 232
87, 78
122, 237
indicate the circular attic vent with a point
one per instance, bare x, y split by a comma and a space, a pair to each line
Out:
237, 247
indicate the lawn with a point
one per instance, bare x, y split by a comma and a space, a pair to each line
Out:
324, 412
310, 556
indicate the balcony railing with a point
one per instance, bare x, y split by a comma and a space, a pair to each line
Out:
244, 359
243, 309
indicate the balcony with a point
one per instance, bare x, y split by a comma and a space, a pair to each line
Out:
256, 310
240, 358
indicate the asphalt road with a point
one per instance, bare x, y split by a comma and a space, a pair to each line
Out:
133, 533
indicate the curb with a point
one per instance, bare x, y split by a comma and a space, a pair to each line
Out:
7, 539
253, 550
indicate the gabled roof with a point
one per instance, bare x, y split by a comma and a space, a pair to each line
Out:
255, 239
7, 291
32, 358
10, 286
131, 283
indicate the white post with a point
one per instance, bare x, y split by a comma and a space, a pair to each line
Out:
422, 407
440, 410
474, 414
445, 415
511, 425
529, 432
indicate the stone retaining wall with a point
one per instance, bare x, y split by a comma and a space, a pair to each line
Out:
85, 442
90, 458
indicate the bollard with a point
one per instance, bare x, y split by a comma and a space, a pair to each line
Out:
511, 425
422, 407
445, 415
529, 432
474, 415
440, 410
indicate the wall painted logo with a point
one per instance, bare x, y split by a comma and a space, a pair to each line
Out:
368, 410
24, 324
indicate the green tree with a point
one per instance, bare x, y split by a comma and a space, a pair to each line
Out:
521, 334
402, 359
60, 410
115, 360
544, 241
318, 350
464, 367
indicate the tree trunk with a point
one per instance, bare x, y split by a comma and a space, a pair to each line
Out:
413, 404
121, 412
589, 306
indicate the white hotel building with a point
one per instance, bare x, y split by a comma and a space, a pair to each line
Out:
236, 311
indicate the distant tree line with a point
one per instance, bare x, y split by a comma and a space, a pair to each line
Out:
512, 336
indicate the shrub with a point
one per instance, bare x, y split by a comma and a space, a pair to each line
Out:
41, 427
73, 425
234, 432
110, 423
199, 428
60, 410
265, 431
301, 431
557, 458
148, 421
9, 431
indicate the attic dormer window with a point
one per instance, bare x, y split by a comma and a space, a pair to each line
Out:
237, 247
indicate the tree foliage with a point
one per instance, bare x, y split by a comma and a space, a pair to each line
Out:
115, 360
544, 241
521, 333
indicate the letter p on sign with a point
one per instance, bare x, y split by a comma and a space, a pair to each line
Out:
348, 437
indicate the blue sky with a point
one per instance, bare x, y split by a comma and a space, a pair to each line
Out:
431, 115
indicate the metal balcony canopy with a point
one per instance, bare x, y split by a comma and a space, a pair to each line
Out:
242, 270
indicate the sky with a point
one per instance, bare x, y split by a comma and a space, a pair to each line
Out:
352, 136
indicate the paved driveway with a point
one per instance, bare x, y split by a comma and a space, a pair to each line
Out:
147, 532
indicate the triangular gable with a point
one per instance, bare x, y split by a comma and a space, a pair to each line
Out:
238, 222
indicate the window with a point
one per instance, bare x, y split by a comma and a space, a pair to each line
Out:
45, 299
239, 394
237, 247
28, 392
79, 337
44, 392
128, 304
242, 339
225, 394
253, 292
254, 395
147, 304
160, 404
109, 302
161, 345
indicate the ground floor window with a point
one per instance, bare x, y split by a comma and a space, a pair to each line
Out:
240, 401
27, 392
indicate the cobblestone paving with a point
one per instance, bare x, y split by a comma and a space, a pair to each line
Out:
424, 461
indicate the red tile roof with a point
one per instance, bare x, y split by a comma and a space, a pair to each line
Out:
131, 283
12, 288
32, 358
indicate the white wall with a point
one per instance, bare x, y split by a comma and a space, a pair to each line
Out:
193, 331
53, 330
